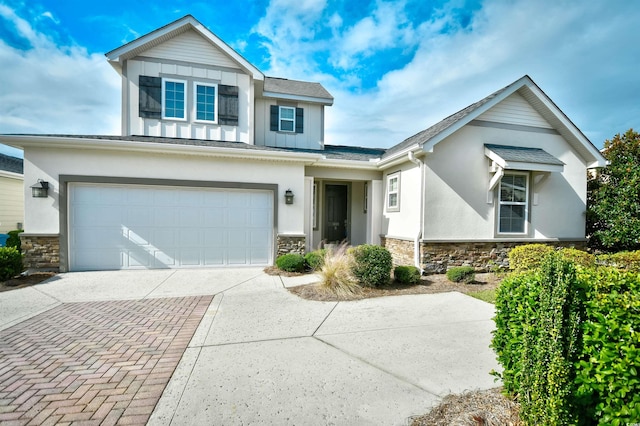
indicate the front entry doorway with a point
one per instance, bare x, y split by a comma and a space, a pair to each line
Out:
336, 217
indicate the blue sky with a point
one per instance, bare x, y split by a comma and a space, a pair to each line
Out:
394, 67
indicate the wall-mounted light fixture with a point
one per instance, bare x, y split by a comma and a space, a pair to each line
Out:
288, 197
40, 189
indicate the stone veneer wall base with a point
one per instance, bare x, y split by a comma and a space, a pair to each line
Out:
41, 252
291, 244
438, 257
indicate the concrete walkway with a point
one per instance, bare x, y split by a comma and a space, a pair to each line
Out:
264, 356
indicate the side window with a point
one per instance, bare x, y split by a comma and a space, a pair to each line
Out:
513, 204
173, 99
393, 192
286, 119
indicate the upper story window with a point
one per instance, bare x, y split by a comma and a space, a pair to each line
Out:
167, 98
205, 100
513, 203
173, 99
393, 192
287, 119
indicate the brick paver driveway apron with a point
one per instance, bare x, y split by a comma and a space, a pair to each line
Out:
94, 363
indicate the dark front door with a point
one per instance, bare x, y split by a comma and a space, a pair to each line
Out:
335, 225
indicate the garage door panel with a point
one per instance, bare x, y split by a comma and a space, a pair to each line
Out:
132, 226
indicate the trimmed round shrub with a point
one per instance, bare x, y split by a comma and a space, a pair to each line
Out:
14, 239
315, 259
465, 274
372, 265
528, 256
290, 262
407, 274
10, 263
578, 257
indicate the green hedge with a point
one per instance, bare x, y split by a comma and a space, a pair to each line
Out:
407, 274
528, 256
291, 262
14, 239
568, 339
628, 260
372, 265
10, 263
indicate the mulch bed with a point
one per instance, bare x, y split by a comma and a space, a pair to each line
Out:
429, 284
25, 280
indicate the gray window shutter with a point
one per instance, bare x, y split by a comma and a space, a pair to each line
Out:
227, 105
275, 117
299, 120
150, 98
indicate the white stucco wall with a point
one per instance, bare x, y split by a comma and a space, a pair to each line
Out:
310, 138
42, 214
457, 180
404, 223
11, 201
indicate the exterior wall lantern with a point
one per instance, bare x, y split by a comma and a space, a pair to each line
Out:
288, 197
40, 189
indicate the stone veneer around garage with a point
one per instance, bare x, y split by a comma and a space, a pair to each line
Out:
41, 252
437, 257
291, 244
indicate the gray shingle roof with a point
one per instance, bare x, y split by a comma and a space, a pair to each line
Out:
11, 164
295, 87
337, 152
424, 136
524, 155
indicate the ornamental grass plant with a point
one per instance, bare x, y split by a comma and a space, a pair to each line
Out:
337, 272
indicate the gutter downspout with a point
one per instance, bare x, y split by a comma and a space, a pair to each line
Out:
416, 242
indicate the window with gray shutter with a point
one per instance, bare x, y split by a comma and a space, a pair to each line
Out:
150, 98
227, 105
286, 119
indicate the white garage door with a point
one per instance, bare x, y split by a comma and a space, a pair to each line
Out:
139, 227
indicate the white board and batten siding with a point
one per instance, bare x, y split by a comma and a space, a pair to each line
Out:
189, 57
149, 227
515, 110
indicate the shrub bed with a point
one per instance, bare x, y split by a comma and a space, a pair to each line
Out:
315, 259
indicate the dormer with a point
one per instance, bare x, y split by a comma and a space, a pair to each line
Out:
183, 81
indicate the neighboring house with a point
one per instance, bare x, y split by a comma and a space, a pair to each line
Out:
11, 194
220, 165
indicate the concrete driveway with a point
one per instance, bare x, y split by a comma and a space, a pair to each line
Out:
261, 355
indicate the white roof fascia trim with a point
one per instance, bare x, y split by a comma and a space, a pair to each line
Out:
110, 144
114, 55
597, 155
301, 98
11, 175
398, 157
349, 164
431, 143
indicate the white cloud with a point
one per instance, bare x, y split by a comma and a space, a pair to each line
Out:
577, 53
55, 89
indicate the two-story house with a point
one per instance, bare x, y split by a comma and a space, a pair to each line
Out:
220, 165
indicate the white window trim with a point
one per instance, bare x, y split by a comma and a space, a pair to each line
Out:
526, 204
280, 129
164, 83
395, 208
195, 102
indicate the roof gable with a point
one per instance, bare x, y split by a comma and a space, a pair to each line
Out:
168, 33
527, 90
